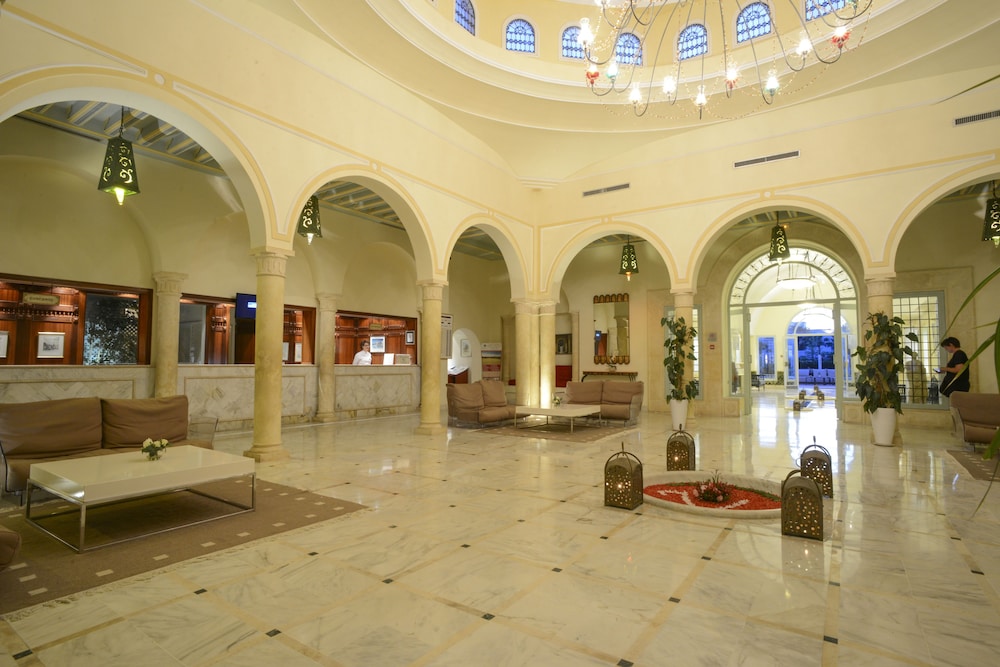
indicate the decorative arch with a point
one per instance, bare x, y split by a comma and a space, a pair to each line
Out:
501, 235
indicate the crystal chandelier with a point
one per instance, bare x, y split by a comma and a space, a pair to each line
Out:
718, 46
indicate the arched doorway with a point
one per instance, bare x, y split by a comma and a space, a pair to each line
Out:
781, 317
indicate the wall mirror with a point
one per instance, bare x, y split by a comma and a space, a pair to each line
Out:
611, 329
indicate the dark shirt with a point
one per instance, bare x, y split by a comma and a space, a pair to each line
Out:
961, 383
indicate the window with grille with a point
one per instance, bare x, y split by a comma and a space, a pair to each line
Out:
692, 42
922, 314
520, 36
465, 15
754, 21
111, 330
628, 51
818, 8
571, 47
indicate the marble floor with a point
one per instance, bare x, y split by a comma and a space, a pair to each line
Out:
479, 549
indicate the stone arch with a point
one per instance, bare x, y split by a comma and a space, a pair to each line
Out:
501, 235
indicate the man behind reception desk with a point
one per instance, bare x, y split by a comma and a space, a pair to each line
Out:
364, 355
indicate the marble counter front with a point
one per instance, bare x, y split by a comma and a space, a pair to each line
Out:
370, 391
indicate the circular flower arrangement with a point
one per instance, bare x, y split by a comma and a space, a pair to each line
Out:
714, 490
719, 495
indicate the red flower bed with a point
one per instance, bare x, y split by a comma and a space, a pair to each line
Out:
739, 498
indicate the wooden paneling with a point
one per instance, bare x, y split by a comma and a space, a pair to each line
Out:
355, 328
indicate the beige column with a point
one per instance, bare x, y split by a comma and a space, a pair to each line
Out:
326, 354
166, 328
430, 359
546, 352
684, 307
880, 290
524, 313
267, 389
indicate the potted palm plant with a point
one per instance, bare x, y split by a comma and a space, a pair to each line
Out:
880, 363
678, 352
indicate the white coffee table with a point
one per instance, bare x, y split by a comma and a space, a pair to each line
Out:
100, 480
570, 412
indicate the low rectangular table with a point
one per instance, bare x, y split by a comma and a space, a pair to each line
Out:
101, 480
570, 412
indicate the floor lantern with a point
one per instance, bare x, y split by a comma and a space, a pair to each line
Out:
623, 480
801, 507
680, 450
816, 464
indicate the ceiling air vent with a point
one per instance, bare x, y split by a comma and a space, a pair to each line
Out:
610, 188
977, 117
767, 158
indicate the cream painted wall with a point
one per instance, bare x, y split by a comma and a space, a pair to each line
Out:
478, 296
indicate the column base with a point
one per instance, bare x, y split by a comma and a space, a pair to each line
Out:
325, 417
430, 429
265, 453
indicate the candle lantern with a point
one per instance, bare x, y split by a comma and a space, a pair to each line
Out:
680, 450
623, 480
801, 507
816, 464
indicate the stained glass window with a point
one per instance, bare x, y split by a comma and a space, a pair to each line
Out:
628, 51
520, 36
465, 15
818, 8
571, 47
754, 21
692, 42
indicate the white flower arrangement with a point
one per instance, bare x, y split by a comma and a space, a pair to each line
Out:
153, 449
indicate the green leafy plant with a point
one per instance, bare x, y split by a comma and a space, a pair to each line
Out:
678, 349
880, 362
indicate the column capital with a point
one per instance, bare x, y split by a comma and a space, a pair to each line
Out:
168, 282
270, 262
524, 307
683, 297
327, 300
880, 285
547, 307
432, 290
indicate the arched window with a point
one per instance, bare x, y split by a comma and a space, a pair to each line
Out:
571, 47
754, 21
818, 8
465, 15
520, 36
628, 50
692, 42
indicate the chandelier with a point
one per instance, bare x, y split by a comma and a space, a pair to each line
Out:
707, 48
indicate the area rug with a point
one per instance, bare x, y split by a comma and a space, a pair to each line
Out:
557, 431
46, 569
974, 462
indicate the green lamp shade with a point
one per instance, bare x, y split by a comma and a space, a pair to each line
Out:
118, 176
309, 226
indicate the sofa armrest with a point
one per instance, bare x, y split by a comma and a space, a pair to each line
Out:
201, 431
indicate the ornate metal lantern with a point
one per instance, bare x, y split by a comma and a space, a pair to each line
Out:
680, 451
623, 480
801, 507
816, 464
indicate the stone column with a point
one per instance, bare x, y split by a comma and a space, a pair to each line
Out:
267, 357
880, 290
326, 353
684, 307
430, 359
546, 352
524, 312
166, 328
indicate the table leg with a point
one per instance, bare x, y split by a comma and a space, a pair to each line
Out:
83, 524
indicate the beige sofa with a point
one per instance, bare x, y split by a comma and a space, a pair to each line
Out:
483, 402
976, 416
75, 427
618, 400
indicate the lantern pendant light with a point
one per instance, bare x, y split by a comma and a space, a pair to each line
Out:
779, 242
309, 226
991, 224
118, 175
629, 263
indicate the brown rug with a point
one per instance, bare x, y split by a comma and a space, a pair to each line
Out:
974, 462
46, 569
537, 428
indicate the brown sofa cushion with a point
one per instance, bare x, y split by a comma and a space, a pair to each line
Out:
129, 421
50, 429
488, 414
979, 415
493, 393
464, 397
620, 393
584, 393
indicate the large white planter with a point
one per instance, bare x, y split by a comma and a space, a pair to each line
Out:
884, 426
678, 413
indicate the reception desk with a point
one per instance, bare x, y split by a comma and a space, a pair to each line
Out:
375, 391
621, 376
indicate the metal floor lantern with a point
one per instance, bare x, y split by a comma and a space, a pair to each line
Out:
623, 480
680, 450
801, 507
816, 464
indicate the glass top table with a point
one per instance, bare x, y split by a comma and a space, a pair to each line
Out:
570, 412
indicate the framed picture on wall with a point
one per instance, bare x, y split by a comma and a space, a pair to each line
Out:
411, 337
378, 344
564, 343
51, 345
3, 344
466, 348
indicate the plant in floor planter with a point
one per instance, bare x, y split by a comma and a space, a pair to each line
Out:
880, 363
678, 351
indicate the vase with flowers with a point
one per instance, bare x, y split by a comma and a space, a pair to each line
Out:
153, 449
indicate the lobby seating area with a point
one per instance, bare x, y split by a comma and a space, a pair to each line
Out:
618, 400
479, 403
976, 416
